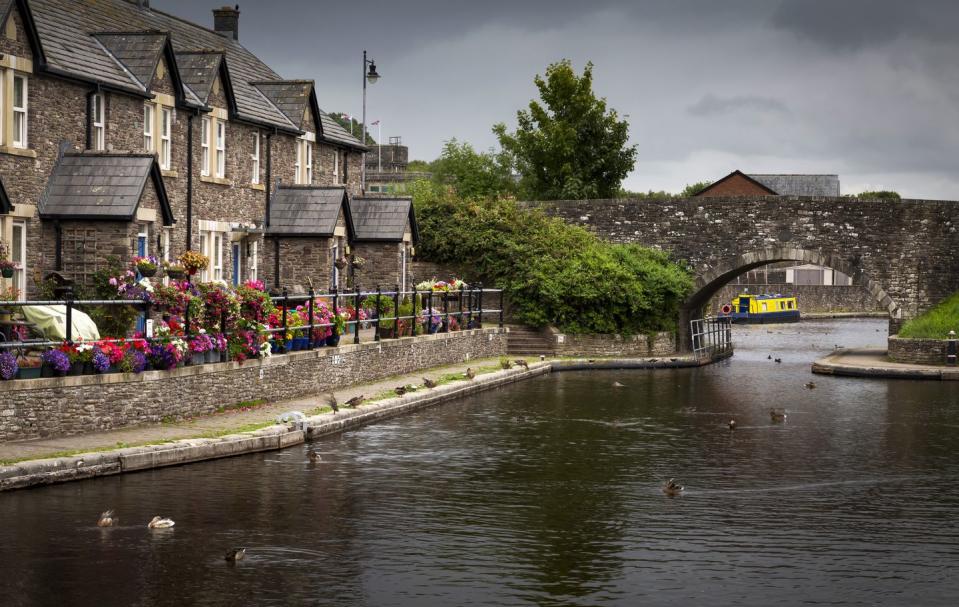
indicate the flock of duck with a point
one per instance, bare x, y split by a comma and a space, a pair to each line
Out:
776, 414
109, 519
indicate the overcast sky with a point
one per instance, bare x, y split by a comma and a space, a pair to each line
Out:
868, 89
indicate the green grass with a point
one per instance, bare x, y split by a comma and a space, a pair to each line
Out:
246, 404
936, 323
71, 453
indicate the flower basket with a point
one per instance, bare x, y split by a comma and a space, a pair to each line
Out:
147, 272
193, 262
6, 271
176, 273
333, 340
340, 263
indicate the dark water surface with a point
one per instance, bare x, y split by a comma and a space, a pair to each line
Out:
546, 493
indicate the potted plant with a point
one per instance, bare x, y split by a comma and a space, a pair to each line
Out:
55, 363
29, 369
340, 263
339, 327
8, 365
146, 266
6, 266
174, 271
193, 262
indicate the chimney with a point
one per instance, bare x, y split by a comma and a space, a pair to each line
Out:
226, 21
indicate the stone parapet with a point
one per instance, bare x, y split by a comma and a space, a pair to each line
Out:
917, 351
626, 346
65, 406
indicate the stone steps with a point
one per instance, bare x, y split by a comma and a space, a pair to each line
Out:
528, 341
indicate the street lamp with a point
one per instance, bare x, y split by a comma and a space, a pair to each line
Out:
370, 76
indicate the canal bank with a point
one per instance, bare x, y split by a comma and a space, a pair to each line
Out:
251, 427
875, 363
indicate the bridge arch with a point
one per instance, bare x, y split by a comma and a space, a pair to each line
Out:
712, 279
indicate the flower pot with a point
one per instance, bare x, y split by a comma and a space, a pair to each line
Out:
29, 373
147, 272
88, 368
288, 345
46, 371
176, 274
213, 356
75, 369
6, 272
333, 340
302, 343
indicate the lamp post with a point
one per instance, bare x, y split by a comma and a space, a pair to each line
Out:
368, 76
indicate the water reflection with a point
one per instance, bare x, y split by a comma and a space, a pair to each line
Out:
547, 493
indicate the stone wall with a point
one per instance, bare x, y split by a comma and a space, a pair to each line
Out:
811, 298
659, 344
73, 405
917, 351
382, 266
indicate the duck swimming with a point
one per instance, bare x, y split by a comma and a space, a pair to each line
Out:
732, 424
810, 385
777, 415
158, 522
672, 489
235, 554
313, 456
107, 519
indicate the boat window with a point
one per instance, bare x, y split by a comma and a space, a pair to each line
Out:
764, 306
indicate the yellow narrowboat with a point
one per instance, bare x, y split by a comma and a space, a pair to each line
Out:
748, 308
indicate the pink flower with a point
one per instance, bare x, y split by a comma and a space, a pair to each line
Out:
113, 282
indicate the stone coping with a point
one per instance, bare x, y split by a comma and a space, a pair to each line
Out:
875, 363
69, 381
47, 471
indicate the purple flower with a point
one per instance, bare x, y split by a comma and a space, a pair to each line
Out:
101, 362
56, 360
161, 357
138, 361
8, 365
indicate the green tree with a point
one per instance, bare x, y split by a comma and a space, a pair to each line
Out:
880, 195
352, 125
570, 146
472, 174
692, 189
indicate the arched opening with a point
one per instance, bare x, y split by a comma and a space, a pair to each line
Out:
710, 282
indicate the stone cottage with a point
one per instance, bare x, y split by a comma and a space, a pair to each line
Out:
385, 233
125, 130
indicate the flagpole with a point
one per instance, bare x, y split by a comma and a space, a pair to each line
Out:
379, 146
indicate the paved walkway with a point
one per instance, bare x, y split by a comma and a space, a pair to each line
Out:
209, 425
876, 363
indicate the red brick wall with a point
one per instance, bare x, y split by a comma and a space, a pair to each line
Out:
737, 185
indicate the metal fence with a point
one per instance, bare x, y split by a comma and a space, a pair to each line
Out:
430, 312
711, 336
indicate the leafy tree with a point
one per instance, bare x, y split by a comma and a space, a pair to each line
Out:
419, 166
472, 174
692, 189
552, 273
352, 125
570, 146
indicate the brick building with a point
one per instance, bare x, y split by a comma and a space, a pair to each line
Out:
738, 183
125, 130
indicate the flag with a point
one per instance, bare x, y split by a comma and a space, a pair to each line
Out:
374, 123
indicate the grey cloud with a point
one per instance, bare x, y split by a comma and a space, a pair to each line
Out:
711, 105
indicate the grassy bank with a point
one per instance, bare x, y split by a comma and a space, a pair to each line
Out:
936, 323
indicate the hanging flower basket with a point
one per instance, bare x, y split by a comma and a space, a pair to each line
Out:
6, 271
358, 262
340, 263
176, 272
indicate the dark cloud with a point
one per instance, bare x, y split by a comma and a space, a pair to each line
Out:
711, 105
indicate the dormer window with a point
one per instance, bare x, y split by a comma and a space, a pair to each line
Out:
148, 118
98, 141
19, 135
304, 162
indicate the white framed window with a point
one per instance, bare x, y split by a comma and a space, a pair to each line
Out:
99, 140
148, 118
255, 157
211, 245
252, 259
220, 148
166, 142
336, 167
205, 147
309, 163
18, 254
19, 111
298, 162
334, 255
205, 250
303, 167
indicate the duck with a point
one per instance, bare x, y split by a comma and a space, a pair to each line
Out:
429, 383
732, 424
159, 522
778, 360
770, 357
400, 390
107, 519
617, 384
333, 403
470, 373
777, 415
522, 363
672, 489
313, 456
810, 385
354, 402
235, 554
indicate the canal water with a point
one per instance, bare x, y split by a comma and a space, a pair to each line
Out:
547, 492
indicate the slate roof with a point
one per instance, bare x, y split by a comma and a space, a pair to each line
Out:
308, 211
198, 70
102, 186
139, 52
67, 46
334, 133
291, 96
383, 219
800, 185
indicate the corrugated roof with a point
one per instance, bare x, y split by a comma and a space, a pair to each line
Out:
307, 210
800, 185
198, 71
99, 185
383, 219
139, 52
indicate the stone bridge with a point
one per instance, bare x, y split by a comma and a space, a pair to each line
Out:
904, 253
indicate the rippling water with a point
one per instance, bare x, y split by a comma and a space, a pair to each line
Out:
547, 493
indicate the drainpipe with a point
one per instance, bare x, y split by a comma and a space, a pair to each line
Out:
58, 251
269, 175
189, 179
